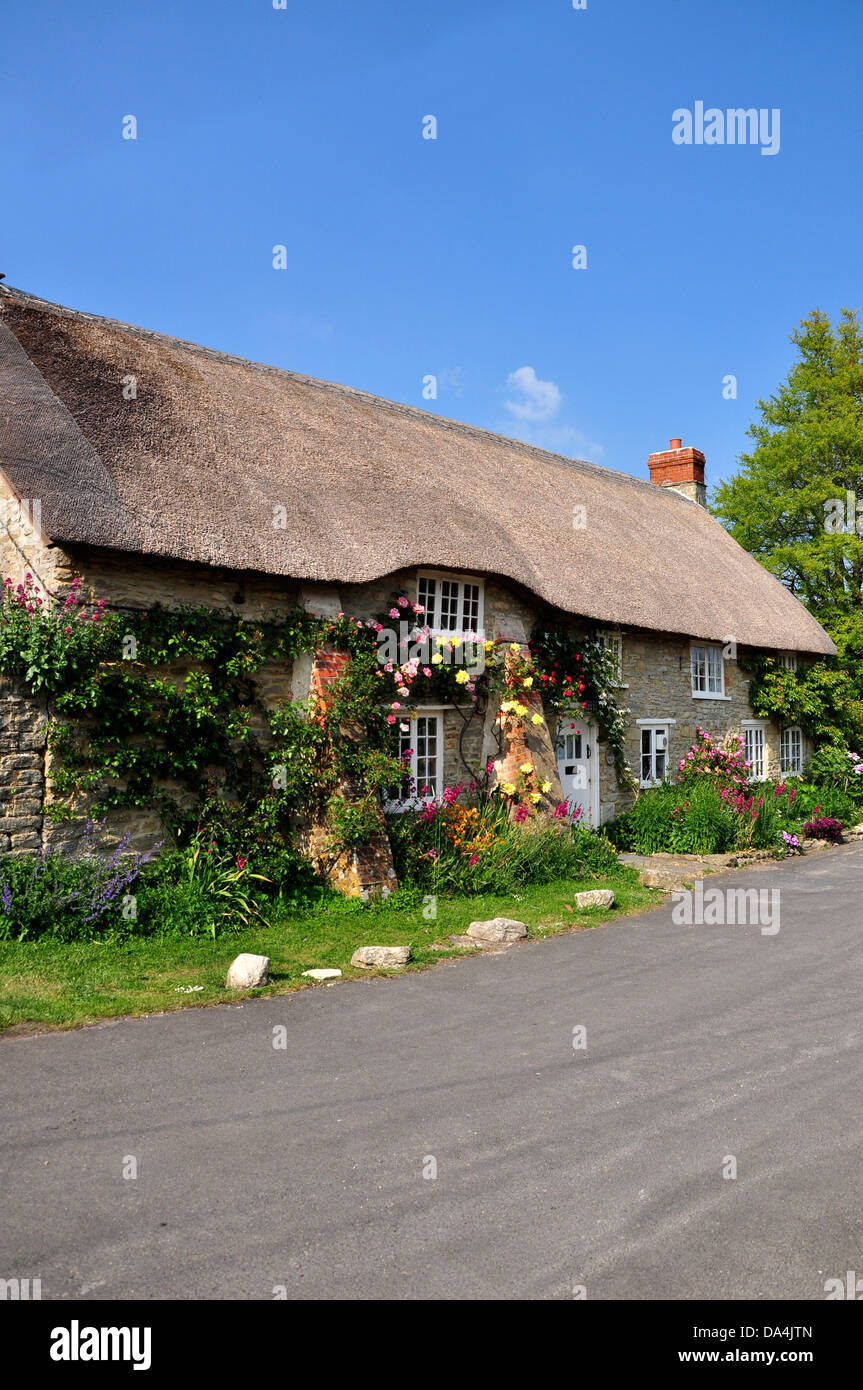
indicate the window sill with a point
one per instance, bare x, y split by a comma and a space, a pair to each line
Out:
703, 695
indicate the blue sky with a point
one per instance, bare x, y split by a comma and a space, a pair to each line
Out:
407, 257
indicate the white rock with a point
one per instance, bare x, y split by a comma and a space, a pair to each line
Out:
322, 974
596, 897
248, 972
497, 929
391, 957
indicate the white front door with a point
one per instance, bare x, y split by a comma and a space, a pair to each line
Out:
578, 768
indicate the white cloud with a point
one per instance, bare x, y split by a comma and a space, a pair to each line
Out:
540, 400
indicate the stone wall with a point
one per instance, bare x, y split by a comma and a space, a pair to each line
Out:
657, 685
23, 731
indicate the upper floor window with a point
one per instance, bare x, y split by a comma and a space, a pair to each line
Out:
788, 660
791, 750
708, 672
453, 603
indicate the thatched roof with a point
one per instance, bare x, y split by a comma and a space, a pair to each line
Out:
195, 465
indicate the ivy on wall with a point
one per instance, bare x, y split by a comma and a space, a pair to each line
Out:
819, 696
169, 696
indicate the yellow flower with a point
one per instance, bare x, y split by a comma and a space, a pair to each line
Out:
508, 789
455, 641
461, 678
536, 719
546, 786
506, 706
436, 659
514, 647
527, 682
521, 709
526, 767
534, 797
488, 646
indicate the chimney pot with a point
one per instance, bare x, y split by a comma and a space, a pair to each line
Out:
676, 444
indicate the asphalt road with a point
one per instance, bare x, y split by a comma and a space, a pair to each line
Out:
556, 1167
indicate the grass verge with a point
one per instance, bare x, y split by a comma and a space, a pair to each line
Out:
46, 985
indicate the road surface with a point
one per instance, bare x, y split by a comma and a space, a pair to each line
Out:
558, 1168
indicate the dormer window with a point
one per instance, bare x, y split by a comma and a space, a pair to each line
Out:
454, 603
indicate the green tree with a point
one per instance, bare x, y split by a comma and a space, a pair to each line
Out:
794, 501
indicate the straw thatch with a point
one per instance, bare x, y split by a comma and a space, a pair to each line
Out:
194, 467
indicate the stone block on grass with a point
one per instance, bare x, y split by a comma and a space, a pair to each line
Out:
384, 957
497, 929
248, 972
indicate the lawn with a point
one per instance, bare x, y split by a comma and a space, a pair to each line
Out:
46, 985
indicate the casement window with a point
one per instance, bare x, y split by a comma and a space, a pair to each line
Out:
754, 751
613, 642
424, 738
654, 753
708, 672
788, 660
453, 603
791, 750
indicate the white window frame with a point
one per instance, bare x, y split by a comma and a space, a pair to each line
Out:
612, 639
788, 660
653, 727
755, 726
784, 737
707, 648
409, 740
432, 620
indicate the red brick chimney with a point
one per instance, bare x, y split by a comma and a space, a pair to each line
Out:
680, 469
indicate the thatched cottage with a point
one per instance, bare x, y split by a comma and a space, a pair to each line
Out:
160, 470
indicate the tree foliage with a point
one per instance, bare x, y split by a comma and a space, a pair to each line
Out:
796, 504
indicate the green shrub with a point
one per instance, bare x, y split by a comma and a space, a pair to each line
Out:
75, 895
647, 826
702, 822
811, 800
835, 767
